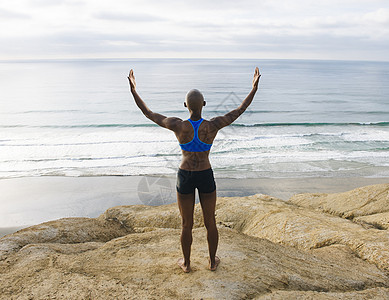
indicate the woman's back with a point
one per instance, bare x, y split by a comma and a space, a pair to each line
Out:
195, 141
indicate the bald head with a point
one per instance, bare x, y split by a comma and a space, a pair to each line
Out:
194, 100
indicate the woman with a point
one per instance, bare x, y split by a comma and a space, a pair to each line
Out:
195, 137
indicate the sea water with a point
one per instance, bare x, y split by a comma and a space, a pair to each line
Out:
308, 118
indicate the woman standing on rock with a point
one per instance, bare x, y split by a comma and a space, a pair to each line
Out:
195, 137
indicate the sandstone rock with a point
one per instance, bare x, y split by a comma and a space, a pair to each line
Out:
143, 266
141, 216
274, 219
380, 220
300, 227
66, 230
375, 294
368, 200
270, 249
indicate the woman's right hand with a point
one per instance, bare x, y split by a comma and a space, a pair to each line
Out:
256, 78
131, 80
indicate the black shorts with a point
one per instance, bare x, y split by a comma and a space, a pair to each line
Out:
188, 181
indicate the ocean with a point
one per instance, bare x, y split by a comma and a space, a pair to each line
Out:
308, 118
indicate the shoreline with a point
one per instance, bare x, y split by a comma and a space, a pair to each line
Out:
28, 201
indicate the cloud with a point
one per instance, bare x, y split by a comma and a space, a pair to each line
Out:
7, 14
51, 3
128, 17
203, 28
379, 16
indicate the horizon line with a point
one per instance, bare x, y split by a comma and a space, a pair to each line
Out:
177, 58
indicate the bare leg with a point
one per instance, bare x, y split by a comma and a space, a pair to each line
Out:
208, 204
186, 205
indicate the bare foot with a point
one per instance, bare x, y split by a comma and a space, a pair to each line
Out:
181, 263
214, 266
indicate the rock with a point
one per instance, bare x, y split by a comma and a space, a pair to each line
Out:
286, 223
143, 266
141, 216
364, 201
379, 221
375, 293
269, 248
65, 230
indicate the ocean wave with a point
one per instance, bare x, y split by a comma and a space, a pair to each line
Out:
79, 126
314, 124
118, 125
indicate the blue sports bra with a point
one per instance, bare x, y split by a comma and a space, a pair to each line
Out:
195, 145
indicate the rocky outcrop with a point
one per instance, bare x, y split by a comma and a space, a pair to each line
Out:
368, 204
270, 249
375, 293
63, 231
300, 227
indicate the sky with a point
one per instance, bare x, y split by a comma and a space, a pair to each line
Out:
265, 29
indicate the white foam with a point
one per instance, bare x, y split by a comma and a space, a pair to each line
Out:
153, 150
